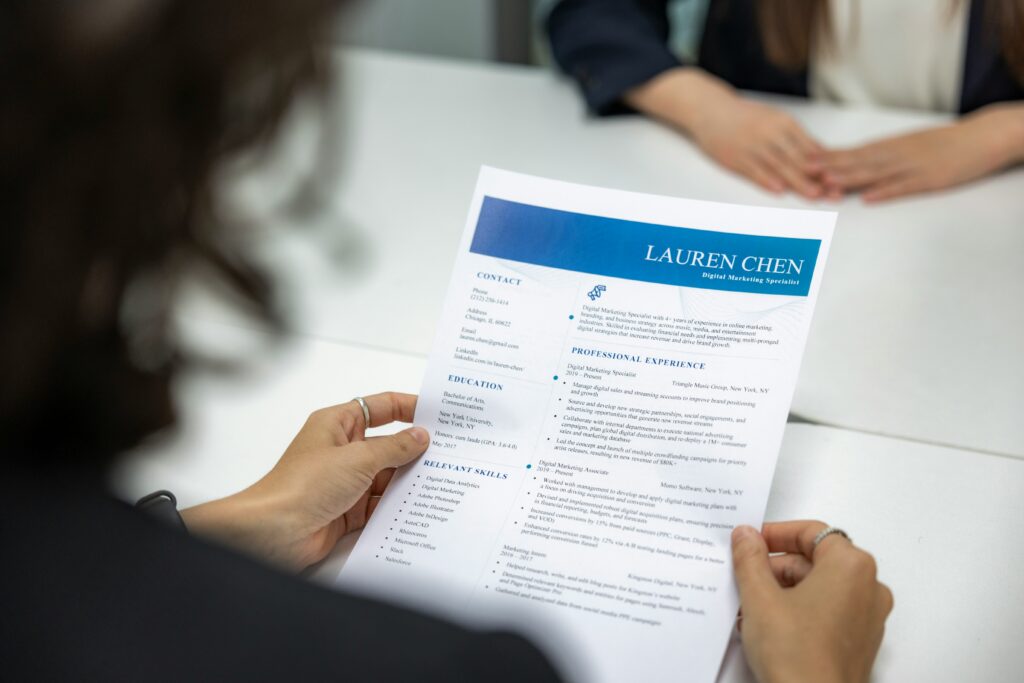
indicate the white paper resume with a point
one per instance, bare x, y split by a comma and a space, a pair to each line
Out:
606, 397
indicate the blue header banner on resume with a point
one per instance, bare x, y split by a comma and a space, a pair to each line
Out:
646, 252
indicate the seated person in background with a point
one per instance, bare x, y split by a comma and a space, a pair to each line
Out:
114, 118
962, 56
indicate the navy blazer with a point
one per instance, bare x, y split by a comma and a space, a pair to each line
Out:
611, 46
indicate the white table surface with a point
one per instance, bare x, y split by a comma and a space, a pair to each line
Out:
919, 326
946, 525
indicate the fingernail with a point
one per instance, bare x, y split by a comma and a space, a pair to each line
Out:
742, 532
421, 436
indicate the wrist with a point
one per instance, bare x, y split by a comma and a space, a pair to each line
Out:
248, 521
1003, 125
815, 673
1014, 114
820, 663
682, 96
213, 519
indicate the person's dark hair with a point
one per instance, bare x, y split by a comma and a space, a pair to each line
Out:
789, 29
113, 116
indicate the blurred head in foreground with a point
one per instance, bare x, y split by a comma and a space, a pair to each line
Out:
114, 116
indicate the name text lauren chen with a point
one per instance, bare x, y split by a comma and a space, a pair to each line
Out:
719, 261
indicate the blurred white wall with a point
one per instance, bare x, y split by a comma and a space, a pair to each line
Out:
449, 28
505, 30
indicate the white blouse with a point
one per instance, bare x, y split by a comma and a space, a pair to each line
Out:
894, 53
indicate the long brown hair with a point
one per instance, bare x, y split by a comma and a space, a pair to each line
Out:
114, 115
790, 30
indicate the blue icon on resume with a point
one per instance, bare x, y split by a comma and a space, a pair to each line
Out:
595, 293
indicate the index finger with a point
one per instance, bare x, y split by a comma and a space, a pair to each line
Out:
384, 408
843, 159
792, 537
337, 425
388, 407
807, 145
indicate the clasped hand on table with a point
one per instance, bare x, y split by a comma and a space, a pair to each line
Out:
769, 147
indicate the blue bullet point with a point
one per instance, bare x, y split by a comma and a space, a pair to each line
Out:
529, 466
571, 317
556, 376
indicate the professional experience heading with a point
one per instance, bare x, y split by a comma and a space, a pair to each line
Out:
635, 358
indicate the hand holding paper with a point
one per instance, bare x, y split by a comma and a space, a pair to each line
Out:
820, 617
325, 485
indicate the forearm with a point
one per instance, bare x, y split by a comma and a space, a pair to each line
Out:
680, 96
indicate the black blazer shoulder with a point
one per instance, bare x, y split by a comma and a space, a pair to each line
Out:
94, 590
611, 46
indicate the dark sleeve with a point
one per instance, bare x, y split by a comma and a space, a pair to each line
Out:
100, 592
987, 77
610, 46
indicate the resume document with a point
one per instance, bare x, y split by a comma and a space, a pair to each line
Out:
606, 397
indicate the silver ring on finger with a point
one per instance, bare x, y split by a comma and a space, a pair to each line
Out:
366, 411
826, 532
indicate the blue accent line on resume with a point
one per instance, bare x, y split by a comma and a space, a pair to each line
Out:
647, 252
